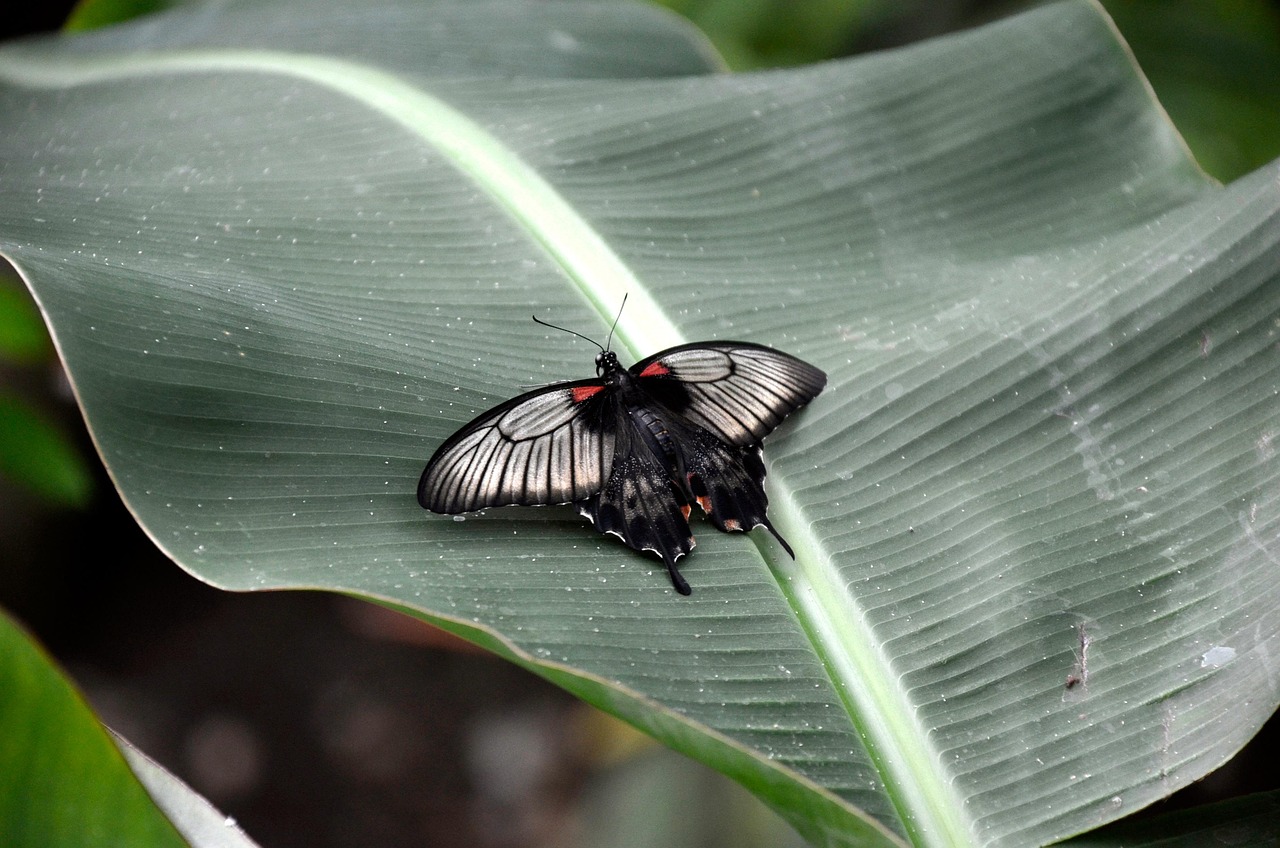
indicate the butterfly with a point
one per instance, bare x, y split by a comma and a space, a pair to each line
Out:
633, 448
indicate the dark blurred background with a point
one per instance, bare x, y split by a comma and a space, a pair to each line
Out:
324, 722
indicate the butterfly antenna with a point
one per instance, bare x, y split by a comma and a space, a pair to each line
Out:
609, 341
538, 320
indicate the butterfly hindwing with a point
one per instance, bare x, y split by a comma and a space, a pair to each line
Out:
553, 445
727, 481
640, 505
738, 391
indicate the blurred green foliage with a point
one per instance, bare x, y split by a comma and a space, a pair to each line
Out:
23, 338
35, 453
91, 14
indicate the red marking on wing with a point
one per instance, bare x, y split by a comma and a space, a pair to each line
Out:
732, 524
705, 503
655, 369
581, 393
685, 509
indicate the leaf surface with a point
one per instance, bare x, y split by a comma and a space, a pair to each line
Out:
280, 276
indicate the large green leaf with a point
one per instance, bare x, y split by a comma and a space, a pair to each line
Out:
281, 275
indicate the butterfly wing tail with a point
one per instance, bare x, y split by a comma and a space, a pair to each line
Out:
728, 483
781, 541
677, 579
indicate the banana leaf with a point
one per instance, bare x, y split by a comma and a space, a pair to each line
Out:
1034, 512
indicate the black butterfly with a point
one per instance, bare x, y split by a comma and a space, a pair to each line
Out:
633, 448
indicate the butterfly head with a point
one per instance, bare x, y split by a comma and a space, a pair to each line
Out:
606, 362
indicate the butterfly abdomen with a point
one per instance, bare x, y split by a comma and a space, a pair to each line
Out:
655, 434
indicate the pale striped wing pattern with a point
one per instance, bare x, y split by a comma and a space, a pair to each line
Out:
545, 447
738, 391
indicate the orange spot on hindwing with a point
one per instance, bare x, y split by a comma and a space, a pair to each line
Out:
655, 369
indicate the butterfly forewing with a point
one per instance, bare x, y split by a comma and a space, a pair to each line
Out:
546, 447
738, 391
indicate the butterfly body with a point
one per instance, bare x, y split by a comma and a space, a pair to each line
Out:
634, 449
